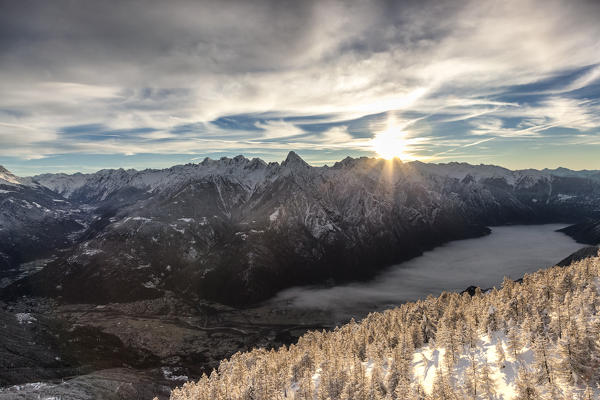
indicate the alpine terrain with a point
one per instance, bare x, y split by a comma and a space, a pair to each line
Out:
236, 230
131, 282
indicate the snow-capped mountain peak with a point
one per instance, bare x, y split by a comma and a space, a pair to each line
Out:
7, 177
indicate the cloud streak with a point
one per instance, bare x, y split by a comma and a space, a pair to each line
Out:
262, 77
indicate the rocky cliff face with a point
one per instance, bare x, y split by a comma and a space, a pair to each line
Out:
237, 230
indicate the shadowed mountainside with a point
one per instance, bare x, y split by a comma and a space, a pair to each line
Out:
236, 230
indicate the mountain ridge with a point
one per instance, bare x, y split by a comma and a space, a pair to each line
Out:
236, 230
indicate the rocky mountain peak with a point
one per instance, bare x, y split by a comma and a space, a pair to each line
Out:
256, 163
240, 159
346, 162
6, 175
294, 161
468, 179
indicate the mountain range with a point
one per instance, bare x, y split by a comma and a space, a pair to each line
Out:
237, 230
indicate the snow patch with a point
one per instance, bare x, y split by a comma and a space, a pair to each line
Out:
275, 215
151, 284
564, 197
142, 219
27, 387
169, 374
176, 228
92, 252
25, 318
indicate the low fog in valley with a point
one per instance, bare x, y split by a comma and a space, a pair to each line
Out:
508, 251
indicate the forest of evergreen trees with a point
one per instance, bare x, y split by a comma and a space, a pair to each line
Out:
538, 339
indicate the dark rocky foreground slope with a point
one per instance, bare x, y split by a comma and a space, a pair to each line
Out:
134, 350
581, 254
236, 231
586, 232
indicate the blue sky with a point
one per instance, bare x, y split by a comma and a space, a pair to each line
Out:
118, 84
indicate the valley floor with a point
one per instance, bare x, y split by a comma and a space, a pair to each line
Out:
130, 350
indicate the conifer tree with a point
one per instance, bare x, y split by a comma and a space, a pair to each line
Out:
442, 389
471, 376
500, 356
588, 394
377, 388
486, 382
514, 342
567, 354
543, 362
446, 338
392, 377
403, 389
526, 386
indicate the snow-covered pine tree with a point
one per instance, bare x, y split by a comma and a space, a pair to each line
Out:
588, 394
526, 386
542, 359
487, 385
377, 389
446, 338
442, 388
514, 341
500, 355
472, 375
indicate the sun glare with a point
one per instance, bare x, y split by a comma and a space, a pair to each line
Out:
390, 143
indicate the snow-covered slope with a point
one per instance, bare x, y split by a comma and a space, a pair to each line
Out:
34, 221
7, 178
536, 340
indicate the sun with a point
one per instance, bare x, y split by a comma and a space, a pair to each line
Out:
390, 143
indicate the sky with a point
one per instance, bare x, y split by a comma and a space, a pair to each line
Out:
86, 85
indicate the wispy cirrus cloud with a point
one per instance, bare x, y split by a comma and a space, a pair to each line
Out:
461, 78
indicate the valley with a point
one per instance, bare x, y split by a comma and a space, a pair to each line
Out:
508, 251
